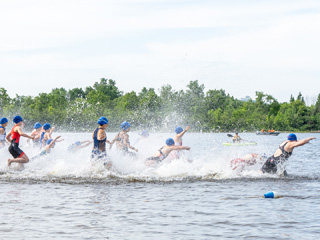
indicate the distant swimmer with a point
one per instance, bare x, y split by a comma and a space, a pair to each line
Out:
236, 138
122, 140
279, 158
247, 160
99, 141
46, 134
36, 133
3, 134
49, 145
163, 152
78, 145
14, 138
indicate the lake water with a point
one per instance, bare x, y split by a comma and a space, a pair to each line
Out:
65, 196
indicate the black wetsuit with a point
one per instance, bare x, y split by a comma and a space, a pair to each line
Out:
159, 158
270, 166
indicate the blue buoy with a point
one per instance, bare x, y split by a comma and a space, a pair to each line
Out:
271, 195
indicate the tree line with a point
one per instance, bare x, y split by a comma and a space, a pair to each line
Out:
214, 110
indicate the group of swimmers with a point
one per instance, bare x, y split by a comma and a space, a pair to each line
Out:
41, 136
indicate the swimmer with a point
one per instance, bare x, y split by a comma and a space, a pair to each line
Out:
3, 134
78, 145
122, 140
281, 155
179, 134
163, 152
99, 141
14, 138
46, 134
236, 138
36, 133
50, 144
247, 160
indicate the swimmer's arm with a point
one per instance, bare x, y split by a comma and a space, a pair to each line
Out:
85, 144
8, 137
301, 142
60, 140
179, 148
1, 131
51, 131
112, 142
53, 141
23, 134
127, 143
183, 132
101, 135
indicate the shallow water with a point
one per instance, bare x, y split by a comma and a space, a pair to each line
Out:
64, 196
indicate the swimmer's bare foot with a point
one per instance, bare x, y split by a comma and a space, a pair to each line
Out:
9, 162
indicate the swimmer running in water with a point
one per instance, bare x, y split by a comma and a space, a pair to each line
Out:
163, 152
282, 154
3, 134
36, 133
50, 144
78, 145
122, 140
99, 142
247, 160
14, 138
46, 135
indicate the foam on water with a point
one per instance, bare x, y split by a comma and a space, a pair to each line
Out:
209, 162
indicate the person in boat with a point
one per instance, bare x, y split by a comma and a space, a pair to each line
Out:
122, 140
14, 138
36, 133
78, 145
46, 134
279, 158
3, 134
236, 138
272, 131
163, 152
47, 149
99, 142
247, 160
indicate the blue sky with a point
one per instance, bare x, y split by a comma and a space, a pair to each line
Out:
239, 46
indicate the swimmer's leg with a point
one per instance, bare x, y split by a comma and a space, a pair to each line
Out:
23, 158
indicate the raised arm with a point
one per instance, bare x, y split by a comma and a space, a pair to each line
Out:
183, 132
301, 142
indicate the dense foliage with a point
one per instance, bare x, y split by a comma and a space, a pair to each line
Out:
214, 110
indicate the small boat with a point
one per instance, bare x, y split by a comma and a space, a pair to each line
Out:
239, 144
268, 133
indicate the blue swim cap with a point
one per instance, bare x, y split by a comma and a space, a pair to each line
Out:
102, 122
179, 130
46, 126
292, 137
17, 119
125, 125
170, 142
104, 118
37, 125
77, 143
49, 141
3, 120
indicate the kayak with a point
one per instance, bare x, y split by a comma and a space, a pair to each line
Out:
239, 144
267, 133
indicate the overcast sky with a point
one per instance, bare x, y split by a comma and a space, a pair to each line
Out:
239, 46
